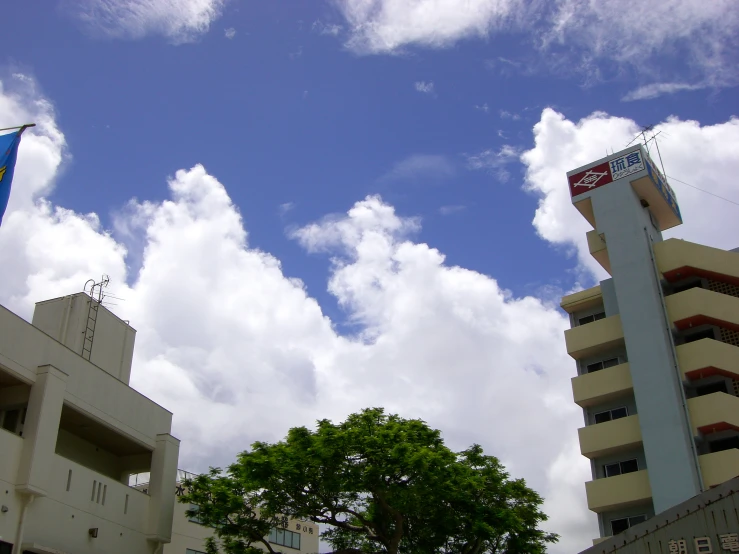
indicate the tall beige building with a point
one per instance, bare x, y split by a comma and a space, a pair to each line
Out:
72, 431
656, 347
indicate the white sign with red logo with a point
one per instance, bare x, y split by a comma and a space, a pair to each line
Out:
607, 172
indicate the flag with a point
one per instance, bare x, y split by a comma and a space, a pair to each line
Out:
8, 153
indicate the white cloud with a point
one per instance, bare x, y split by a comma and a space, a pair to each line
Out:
179, 20
385, 26
330, 29
452, 209
426, 87
495, 161
504, 114
700, 155
428, 168
286, 207
700, 35
230, 33
647, 92
484, 108
236, 337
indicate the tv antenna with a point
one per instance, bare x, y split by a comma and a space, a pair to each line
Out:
643, 134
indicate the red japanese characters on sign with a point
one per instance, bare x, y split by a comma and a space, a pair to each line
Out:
588, 180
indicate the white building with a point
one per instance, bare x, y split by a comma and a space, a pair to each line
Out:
188, 535
72, 431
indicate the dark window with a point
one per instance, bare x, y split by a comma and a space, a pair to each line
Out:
706, 334
687, 286
5, 547
10, 421
619, 525
591, 318
622, 524
597, 366
608, 415
620, 468
710, 389
724, 444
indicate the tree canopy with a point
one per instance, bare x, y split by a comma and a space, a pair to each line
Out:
378, 484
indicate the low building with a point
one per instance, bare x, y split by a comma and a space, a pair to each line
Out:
72, 431
189, 535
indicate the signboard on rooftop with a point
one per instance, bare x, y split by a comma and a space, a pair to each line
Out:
607, 172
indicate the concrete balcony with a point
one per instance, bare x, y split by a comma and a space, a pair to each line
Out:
604, 385
622, 491
697, 306
598, 250
678, 259
714, 412
719, 467
707, 357
595, 338
11, 446
582, 300
120, 512
610, 437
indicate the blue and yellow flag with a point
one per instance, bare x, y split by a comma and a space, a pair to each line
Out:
8, 153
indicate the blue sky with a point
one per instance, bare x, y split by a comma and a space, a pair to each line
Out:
284, 114
462, 116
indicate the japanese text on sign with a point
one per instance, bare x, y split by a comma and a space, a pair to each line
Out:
626, 165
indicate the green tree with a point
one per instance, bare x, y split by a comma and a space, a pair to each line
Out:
379, 484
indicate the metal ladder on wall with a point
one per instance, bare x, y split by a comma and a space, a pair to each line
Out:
92, 313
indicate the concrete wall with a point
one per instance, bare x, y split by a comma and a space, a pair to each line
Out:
66, 320
24, 348
67, 484
668, 440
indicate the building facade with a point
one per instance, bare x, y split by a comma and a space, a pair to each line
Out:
189, 535
72, 432
656, 347
705, 524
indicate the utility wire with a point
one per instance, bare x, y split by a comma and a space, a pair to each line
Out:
702, 190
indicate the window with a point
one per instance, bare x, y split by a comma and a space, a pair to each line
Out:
5, 547
284, 537
608, 415
591, 318
194, 518
13, 420
724, 444
706, 334
619, 468
710, 389
620, 525
597, 366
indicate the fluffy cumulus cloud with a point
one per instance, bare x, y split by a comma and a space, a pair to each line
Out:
239, 351
178, 20
700, 37
701, 156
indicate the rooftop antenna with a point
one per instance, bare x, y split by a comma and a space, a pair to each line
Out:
659, 154
96, 299
643, 134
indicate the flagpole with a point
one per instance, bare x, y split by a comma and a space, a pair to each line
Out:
21, 127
